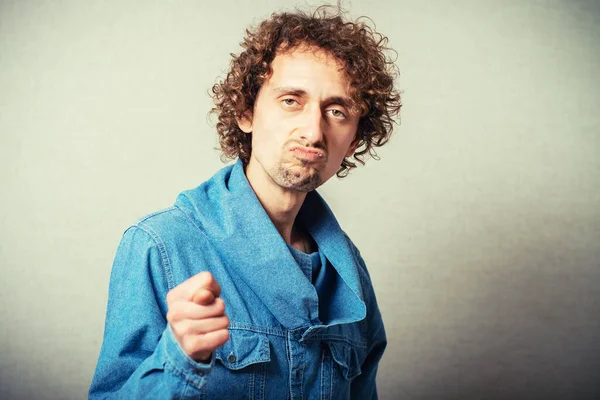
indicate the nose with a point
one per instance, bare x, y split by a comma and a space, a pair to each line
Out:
313, 125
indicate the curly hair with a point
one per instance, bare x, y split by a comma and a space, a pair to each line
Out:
356, 45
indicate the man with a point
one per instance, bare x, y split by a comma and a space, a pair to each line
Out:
247, 287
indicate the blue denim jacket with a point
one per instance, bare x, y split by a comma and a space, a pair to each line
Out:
288, 340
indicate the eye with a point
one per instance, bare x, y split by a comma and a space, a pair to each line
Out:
289, 102
335, 113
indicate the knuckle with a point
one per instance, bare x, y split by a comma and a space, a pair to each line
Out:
187, 344
209, 279
225, 337
222, 338
181, 329
186, 328
199, 344
175, 313
219, 306
206, 277
216, 285
172, 315
176, 329
226, 321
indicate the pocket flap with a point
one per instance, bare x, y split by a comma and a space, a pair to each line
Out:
348, 358
244, 348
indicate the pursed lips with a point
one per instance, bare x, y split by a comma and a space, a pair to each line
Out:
308, 153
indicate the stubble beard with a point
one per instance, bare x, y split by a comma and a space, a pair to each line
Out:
296, 177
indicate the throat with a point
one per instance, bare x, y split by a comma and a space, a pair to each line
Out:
302, 241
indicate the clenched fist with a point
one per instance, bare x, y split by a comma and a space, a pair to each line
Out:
197, 316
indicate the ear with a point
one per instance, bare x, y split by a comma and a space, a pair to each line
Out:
352, 147
245, 122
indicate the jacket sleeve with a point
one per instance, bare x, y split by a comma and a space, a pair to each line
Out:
364, 386
140, 358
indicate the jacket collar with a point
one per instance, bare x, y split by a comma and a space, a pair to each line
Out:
227, 210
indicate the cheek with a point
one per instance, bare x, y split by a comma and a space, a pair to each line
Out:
261, 136
267, 131
339, 149
335, 159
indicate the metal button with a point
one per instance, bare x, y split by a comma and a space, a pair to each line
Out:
231, 358
200, 372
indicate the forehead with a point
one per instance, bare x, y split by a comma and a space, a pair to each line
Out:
309, 68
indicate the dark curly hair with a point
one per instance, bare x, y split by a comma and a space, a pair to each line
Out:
356, 45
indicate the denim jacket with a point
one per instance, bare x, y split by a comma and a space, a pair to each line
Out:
289, 339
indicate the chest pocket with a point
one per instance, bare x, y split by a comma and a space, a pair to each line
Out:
348, 359
241, 367
341, 364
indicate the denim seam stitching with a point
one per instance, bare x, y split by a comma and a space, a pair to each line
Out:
148, 216
331, 379
185, 388
188, 378
263, 378
251, 385
192, 222
322, 374
351, 371
302, 377
342, 339
162, 248
291, 362
252, 328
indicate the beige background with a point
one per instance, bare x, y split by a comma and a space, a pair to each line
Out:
480, 225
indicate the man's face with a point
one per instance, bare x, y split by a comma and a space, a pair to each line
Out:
301, 125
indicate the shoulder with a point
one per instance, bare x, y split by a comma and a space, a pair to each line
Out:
166, 225
159, 219
153, 232
154, 247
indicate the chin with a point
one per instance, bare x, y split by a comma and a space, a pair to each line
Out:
298, 178
306, 183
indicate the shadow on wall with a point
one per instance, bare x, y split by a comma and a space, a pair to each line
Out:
519, 324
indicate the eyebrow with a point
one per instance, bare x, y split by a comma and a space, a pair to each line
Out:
341, 100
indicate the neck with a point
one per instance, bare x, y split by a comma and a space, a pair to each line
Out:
281, 205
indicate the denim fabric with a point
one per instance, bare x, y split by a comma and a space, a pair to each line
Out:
289, 339
310, 264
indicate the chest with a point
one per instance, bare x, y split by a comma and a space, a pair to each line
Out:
270, 364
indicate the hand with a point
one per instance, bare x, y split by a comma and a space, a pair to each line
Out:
197, 316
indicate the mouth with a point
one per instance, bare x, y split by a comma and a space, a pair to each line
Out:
308, 154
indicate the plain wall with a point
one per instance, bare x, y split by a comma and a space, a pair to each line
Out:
480, 224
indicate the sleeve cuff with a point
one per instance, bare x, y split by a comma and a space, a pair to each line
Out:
180, 364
